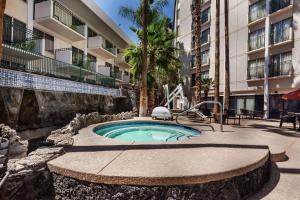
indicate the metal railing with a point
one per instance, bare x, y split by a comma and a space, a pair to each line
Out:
21, 60
66, 17
202, 115
21, 38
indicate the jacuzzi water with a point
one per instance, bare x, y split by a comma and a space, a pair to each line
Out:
146, 131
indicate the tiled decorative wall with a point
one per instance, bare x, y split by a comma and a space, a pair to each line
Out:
11, 78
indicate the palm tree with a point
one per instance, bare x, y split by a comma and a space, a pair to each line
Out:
197, 17
217, 58
162, 57
2, 8
144, 41
207, 84
142, 17
227, 70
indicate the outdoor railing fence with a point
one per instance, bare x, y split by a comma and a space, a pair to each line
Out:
66, 17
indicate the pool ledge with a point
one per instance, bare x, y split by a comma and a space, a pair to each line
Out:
212, 156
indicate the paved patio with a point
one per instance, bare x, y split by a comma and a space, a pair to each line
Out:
235, 151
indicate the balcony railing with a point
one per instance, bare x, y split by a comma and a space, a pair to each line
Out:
256, 72
15, 36
50, 67
256, 42
279, 4
257, 11
53, 15
66, 17
284, 68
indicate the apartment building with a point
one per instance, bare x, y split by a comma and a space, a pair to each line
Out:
68, 39
263, 46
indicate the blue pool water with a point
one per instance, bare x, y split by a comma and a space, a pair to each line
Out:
146, 131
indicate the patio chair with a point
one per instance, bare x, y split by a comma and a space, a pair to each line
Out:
288, 118
231, 114
245, 113
257, 114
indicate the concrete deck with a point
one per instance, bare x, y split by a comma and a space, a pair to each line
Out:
210, 157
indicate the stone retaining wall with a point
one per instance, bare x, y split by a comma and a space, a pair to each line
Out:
235, 188
29, 176
24, 109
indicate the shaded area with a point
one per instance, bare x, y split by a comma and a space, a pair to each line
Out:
270, 185
159, 146
233, 188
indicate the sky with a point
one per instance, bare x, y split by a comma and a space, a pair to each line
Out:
111, 8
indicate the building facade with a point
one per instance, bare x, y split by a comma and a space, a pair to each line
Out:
264, 49
65, 39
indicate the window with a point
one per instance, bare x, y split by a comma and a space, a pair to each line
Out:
256, 69
205, 74
257, 11
281, 64
282, 31
7, 29
205, 16
77, 57
193, 61
49, 40
205, 36
49, 43
193, 42
19, 33
205, 57
91, 33
193, 80
279, 4
257, 39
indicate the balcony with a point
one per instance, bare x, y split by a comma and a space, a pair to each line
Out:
21, 43
102, 47
55, 16
53, 68
121, 61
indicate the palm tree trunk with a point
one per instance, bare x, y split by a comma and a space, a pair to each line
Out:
227, 70
217, 56
197, 17
143, 89
2, 8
